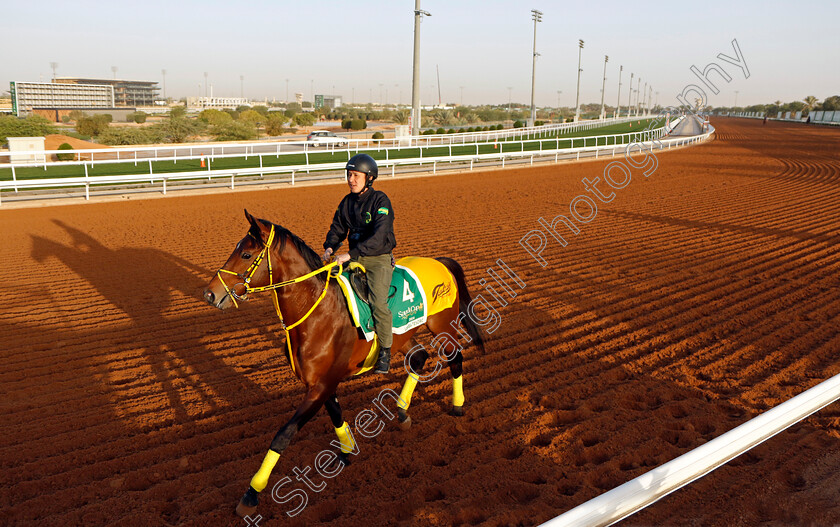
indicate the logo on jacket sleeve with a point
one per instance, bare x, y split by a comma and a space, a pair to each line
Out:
382, 210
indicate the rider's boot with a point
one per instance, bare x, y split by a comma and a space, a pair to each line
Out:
383, 363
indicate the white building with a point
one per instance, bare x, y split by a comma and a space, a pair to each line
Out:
219, 103
28, 95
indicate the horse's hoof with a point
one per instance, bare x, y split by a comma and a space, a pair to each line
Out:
343, 458
248, 504
457, 411
404, 419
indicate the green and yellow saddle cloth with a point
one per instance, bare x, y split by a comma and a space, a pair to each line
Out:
420, 287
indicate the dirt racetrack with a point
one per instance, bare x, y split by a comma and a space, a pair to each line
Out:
696, 299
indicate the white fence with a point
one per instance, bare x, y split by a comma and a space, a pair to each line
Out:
638, 493
290, 174
588, 146
132, 154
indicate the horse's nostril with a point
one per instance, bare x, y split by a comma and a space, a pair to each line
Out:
209, 296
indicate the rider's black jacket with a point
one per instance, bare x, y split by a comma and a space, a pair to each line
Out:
367, 221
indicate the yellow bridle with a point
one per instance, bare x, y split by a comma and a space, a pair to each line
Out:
249, 274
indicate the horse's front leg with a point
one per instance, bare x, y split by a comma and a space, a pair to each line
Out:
313, 401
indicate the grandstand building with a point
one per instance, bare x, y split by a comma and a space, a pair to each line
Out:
126, 92
29, 95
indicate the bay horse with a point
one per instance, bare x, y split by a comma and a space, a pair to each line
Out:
323, 346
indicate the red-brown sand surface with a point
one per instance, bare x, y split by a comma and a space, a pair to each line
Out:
698, 298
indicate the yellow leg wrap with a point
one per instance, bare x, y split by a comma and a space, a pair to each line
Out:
408, 389
260, 479
347, 443
458, 391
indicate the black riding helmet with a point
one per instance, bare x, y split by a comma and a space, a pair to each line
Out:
365, 164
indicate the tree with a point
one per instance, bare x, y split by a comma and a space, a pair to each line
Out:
810, 102
358, 124
262, 110
274, 124
242, 107
93, 125
178, 111
65, 157
214, 117
177, 129
75, 115
831, 103
252, 116
401, 116
130, 136
304, 119
136, 117
234, 131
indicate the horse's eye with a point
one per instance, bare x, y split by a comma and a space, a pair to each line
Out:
246, 256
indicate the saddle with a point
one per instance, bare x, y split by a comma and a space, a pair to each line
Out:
359, 283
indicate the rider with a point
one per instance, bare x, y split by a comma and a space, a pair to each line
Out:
366, 218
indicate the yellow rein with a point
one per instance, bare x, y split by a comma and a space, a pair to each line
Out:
249, 273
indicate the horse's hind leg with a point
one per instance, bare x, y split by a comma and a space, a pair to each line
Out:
313, 401
342, 430
417, 357
457, 371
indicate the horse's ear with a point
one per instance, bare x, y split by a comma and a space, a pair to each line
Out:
255, 229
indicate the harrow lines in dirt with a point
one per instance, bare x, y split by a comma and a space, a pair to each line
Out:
699, 296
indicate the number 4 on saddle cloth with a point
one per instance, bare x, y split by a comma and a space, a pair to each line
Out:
420, 287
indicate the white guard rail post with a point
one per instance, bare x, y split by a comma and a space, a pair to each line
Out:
638, 493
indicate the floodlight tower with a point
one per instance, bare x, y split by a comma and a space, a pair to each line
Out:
618, 97
536, 16
163, 72
630, 95
415, 83
577, 97
53, 65
604, 84
114, 70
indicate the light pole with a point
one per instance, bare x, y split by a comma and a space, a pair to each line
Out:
643, 106
604, 85
312, 90
415, 80
618, 97
536, 16
53, 65
630, 95
656, 103
114, 70
462, 95
380, 93
287, 91
638, 87
205, 85
577, 97
163, 72
242, 86
509, 91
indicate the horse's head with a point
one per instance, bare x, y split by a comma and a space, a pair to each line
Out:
246, 267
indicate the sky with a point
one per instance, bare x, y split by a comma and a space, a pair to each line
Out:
363, 50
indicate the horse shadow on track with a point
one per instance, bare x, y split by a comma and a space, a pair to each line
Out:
140, 283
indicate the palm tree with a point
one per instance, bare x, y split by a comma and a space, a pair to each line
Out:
810, 102
401, 116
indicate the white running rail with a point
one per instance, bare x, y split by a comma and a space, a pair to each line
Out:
638, 493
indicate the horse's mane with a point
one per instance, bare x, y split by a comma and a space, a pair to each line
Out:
309, 255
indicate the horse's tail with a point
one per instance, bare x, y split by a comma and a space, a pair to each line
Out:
464, 300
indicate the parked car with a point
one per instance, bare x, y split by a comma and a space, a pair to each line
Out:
325, 138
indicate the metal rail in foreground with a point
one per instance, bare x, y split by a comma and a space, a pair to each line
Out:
638, 493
